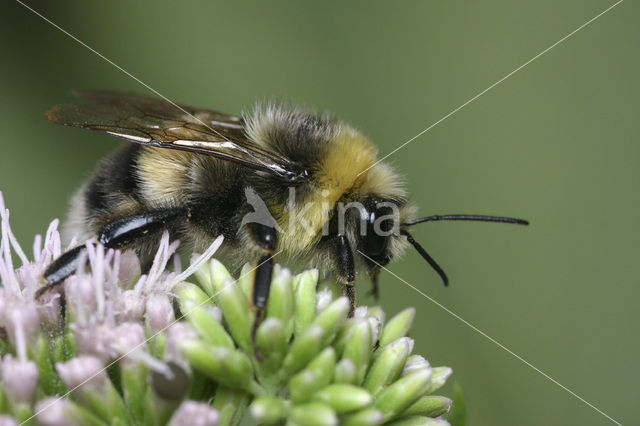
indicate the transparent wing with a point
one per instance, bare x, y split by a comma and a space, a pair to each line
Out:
151, 121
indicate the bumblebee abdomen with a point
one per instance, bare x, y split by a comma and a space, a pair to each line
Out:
112, 190
115, 175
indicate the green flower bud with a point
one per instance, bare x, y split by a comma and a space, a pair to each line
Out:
376, 312
376, 328
268, 410
367, 417
236, 311
245, 281
272, 343
324, 297
218, 275
388, 365
317, 375
343, 336
430, 406
227, 366
419, 421
203, 275
207, 326
438, 378
401, 394
358, 348
230, 404
324, 365
303, 349
345, 371
302, 385
331, 318
343, 397
415, 362
280, 304
305, 300
189, 295
313, 414
398, 326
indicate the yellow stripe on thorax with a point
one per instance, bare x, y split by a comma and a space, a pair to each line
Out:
337, 173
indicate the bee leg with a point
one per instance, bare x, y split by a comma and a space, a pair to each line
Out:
118, 234
267, 238
346, 271
121, 233
65, 265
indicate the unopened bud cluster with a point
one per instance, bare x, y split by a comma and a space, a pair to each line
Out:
317, 366
176, 348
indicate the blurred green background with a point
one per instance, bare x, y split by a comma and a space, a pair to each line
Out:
555, 143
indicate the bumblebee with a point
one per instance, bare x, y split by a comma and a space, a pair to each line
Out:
278, 180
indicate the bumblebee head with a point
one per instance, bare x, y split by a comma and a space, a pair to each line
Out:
385, 217
383, 206
379, 237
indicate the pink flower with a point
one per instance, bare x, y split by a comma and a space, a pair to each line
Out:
194, 414
6, 420
83, 371
55, 411
176, 334
22, 322
159, 312
20, 379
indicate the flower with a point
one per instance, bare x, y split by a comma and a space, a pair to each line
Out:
195, 414
318, 366
175, 347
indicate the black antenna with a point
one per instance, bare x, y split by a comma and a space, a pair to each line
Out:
470, 217
426, 256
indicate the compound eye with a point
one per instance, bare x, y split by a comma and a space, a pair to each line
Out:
377, 238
